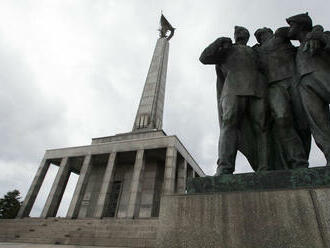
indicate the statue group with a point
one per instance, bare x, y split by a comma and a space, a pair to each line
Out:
273, 96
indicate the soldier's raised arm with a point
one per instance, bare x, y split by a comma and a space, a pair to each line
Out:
213, 53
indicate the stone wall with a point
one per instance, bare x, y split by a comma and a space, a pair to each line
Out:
264, 219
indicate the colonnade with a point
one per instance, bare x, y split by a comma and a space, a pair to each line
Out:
175, 175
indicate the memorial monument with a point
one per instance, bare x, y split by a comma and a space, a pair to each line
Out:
270, 85
121, 178
143, 189
271, 98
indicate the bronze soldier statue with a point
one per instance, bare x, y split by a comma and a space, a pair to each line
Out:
313, 67
277, 57
241, 91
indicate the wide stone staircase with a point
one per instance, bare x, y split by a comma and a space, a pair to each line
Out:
110, 232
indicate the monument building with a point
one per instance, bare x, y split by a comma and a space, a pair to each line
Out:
122, 176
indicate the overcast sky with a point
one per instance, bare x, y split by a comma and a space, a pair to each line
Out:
71, 70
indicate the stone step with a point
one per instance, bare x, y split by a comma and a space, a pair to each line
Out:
71, 236
34, 245
100, 232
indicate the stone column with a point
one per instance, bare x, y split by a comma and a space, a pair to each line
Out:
170, 169
56, 193
80, 188
182, 177
190, 171
135, 184
106, 186
34, 189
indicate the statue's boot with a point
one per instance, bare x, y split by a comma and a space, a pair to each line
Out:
295, 152
222, 169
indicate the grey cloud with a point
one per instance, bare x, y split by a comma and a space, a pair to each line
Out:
29, 122
27, 117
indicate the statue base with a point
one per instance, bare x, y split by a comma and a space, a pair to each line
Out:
266, 180
289, 210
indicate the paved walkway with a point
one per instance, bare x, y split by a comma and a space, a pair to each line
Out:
26, 245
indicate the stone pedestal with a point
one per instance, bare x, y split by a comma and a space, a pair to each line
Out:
263, 215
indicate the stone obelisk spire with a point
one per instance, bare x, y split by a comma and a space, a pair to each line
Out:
150, 112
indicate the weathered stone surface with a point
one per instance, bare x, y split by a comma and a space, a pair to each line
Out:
125, 146
135, 187
107, 232
170, 171
267, 219
57, 190
145, 134
106, 186
150, 112
80, 188
322, 199
34, 189
34, 245
284, 179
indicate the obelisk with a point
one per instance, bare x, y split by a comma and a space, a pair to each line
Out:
149, 115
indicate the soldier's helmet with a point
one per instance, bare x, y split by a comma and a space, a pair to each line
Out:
302, 20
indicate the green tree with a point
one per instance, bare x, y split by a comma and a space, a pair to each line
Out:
10, 204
